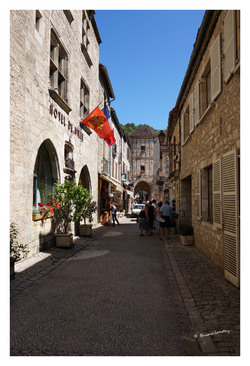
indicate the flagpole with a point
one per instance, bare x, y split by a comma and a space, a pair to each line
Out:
76, 129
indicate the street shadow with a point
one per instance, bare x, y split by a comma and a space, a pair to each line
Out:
29, 270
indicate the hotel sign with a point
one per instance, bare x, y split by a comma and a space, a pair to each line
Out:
60, 117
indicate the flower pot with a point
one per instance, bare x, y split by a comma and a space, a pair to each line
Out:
187, 239
64, 240
85, 230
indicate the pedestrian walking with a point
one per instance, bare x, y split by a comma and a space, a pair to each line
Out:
159, 219
154, 204
143, 220
166, 212
114, 211
151, 217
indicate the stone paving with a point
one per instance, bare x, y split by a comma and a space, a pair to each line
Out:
208, 304
212, 303
32, 269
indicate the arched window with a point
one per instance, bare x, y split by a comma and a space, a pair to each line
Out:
84, 179
45, 174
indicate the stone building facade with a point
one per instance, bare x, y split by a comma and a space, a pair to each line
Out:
54, 84
145, 162
162, 180
207, 119
115, 163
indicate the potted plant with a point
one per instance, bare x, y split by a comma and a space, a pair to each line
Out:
87, 215
186, 235
67, 202
16, 249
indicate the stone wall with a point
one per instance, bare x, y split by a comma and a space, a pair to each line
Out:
218, 132
31, 119
150, 159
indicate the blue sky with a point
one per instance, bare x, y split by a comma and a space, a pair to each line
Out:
146, 53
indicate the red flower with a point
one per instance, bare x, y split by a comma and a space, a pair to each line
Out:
40, 204
44, 208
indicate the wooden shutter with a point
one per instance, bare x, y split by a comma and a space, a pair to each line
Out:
215, 57
198, 194
191, 113
197, 103
229, 44
217, 204
182, 129
231, 216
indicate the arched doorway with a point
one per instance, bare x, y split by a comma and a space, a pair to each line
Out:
142, 191
46, 173
84, 179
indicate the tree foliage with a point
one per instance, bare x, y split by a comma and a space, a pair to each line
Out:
130, 127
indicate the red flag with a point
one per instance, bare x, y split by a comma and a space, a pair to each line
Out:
110, 139
98, 122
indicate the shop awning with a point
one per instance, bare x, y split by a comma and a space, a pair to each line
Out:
114, 183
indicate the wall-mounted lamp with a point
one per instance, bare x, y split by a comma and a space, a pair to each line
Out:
161, 137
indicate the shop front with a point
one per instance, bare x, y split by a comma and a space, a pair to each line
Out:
110, 192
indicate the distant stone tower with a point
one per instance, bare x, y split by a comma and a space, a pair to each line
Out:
145, 163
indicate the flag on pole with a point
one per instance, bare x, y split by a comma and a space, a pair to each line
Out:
110, 139
98, 122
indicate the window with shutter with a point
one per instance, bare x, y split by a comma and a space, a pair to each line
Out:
215, 55
196, 103
229, 44
207, 194
182, 129
185, 125
191, 113
231, 217
198, 194
205, 89
217, 204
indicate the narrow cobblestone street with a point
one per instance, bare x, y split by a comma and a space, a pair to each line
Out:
118, 294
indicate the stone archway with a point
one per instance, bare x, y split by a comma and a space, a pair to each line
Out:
45, 174
84, 179
143, 188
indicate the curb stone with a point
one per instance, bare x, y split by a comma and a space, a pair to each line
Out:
211, 302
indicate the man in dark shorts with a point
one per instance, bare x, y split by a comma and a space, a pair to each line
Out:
166, 212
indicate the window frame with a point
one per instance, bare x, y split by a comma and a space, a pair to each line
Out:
58, 72
207, 194
85, 42
205, 89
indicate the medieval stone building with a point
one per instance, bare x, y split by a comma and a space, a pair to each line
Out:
55, 81
204, 136
147, 173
